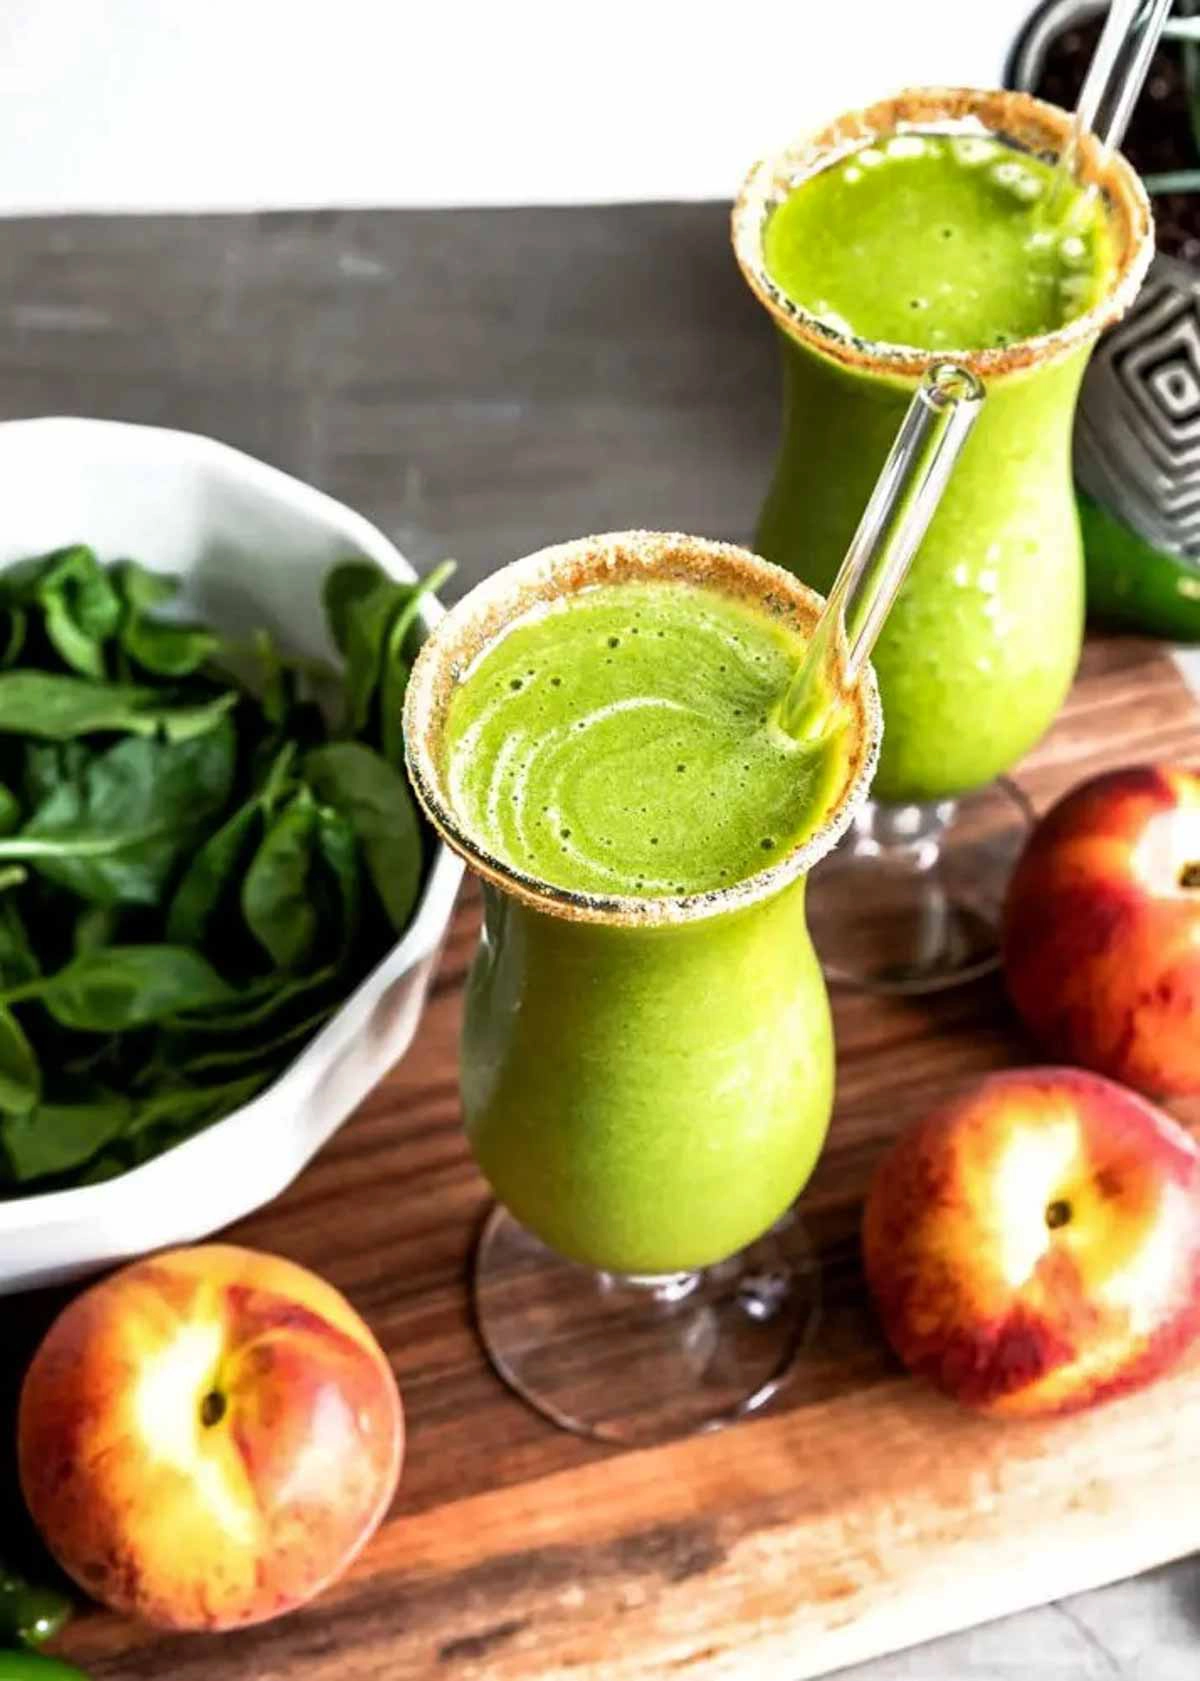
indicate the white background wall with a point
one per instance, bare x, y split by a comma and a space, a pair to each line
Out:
207, 104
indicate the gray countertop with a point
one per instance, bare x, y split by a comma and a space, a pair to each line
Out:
480, 383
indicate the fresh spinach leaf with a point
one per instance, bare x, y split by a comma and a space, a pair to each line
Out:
394, 673
112, 988
183, 1107
346, 586
80, 606
277, 895
166, 647
10, 810
268, 1052
361, 602
114, 833
46, 764
337, 847
258, 1004
81, 609
217, 865
57, 707
140, 587
280, 779
17, 961
375, 798
55, 1138
14, 623
96, 926
278, 681
20, 1073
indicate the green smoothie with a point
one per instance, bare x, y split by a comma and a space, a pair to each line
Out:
647, 1071
942, 243
939, 242
624, 742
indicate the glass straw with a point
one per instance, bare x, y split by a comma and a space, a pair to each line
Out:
935, 427
1112, 84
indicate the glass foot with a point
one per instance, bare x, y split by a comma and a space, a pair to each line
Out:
911, 900
641, 1360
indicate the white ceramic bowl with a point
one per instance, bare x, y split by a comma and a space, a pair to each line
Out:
251, 546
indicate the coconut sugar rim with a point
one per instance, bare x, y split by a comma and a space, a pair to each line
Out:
473, 625
1032, 126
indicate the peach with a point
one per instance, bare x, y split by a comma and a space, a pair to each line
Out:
1033, 1246
1102, 929
209, 1437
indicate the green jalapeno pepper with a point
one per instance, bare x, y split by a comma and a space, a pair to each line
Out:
1131, 582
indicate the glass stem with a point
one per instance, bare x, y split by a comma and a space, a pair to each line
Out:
909, 834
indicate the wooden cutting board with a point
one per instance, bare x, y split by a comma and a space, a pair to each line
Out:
861, 1514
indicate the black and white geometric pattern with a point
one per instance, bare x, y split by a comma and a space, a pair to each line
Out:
1137, 436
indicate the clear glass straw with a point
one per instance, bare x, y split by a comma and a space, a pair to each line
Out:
935, 427
1113, 82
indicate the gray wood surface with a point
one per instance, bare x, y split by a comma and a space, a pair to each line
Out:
477, 382
480, 383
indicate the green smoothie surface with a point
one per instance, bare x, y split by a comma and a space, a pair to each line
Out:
938, 242
621, 741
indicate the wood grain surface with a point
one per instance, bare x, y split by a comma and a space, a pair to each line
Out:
861, 1514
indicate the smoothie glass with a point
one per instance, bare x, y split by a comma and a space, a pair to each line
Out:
646, 1082
982, 645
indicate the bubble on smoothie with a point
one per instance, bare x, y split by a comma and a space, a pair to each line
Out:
870, 157
851, 174
1014, 178
1073, 250
1076, 289
1041, 239
905, 146
973, 149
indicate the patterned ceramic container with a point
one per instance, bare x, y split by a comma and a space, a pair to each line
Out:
1137, 435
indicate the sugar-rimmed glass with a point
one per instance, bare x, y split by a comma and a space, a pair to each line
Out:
646, 1082
911, 901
